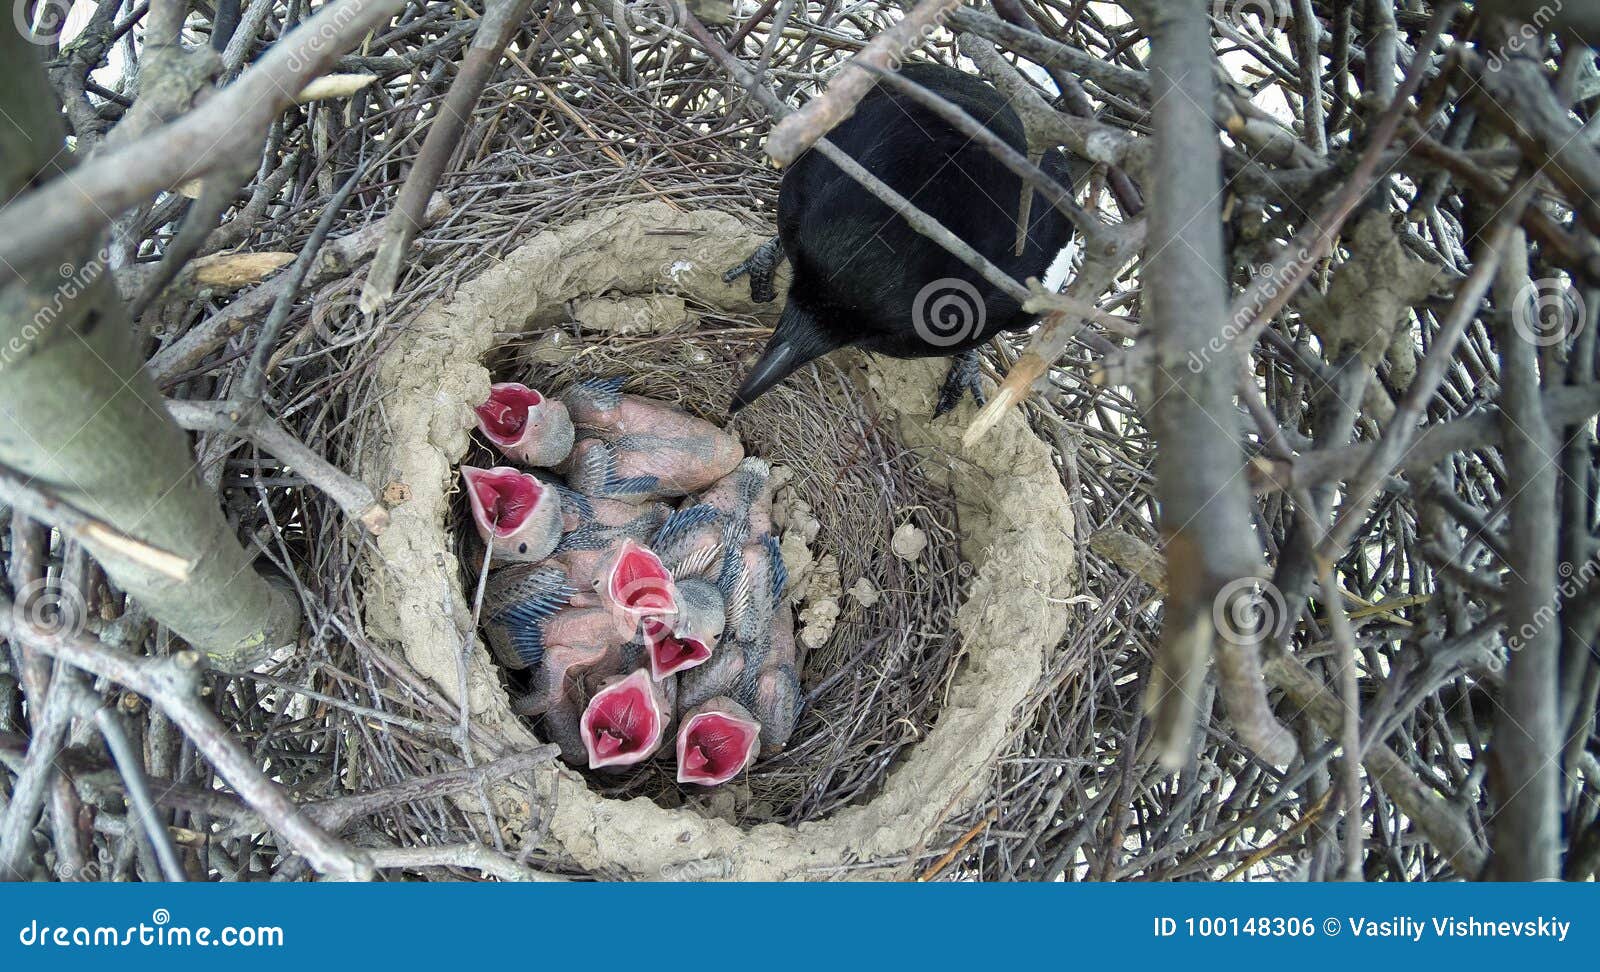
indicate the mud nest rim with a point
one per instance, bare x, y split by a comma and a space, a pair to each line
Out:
1017, 530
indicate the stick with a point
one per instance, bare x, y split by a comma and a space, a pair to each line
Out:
37, 501
500, 21
336, 259
474, 856
802, 128
226, 128
132, 769
352, 495
173, 684
248, 394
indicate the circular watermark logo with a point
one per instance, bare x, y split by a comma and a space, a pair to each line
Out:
53, 605
947, 312
40, 22
1249, 610
645, 597
1548, 311
1269, 15
649, 20
336, 316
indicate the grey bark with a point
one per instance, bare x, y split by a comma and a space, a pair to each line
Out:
1206, 521
79, 415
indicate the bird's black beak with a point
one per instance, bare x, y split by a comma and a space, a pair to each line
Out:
777, 362
798, 338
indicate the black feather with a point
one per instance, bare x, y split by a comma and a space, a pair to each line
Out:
859, 268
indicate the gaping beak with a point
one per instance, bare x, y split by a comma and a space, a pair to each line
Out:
671, 652
624, 722
524, 425
516, 515
637, 585
716, 743
503, 419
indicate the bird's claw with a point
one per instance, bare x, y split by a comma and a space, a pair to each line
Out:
762, 266
964, 377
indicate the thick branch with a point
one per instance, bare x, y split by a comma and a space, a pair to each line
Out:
1205, 508
227, 128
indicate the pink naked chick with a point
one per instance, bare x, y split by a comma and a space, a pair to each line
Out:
632, 447
525, 426
516, 514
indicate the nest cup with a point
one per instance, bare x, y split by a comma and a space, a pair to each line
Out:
912, 697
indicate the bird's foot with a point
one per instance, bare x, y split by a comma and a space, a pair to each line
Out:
762, 266
964, 376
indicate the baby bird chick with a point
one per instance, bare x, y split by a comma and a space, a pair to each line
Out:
518, 517
525, 426
594, 528
632, 447
693, 633
726, 516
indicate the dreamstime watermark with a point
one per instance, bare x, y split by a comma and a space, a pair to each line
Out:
1528, 35
336, 316
1269, 14
924, 34
321, 35
56, 606
641, 600
1279, 276
947, 312
89, 871
159, 932
1248, 611
41, 22
76, 279
1548, 311
1573, 582
650, 20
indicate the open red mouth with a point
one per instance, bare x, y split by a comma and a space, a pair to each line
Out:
502, 498
624, 722
669, 653
640, 584
505, 415
713, 747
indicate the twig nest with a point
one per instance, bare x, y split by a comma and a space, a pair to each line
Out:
909, 542
1005, 611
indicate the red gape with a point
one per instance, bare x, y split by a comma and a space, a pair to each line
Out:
504, 495
517, 517
624, 722
668, 653
640, 583
505, 414
715, 746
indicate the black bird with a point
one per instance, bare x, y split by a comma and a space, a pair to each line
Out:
864, 277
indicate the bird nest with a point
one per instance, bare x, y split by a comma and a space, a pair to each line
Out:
897, 734
878, 659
